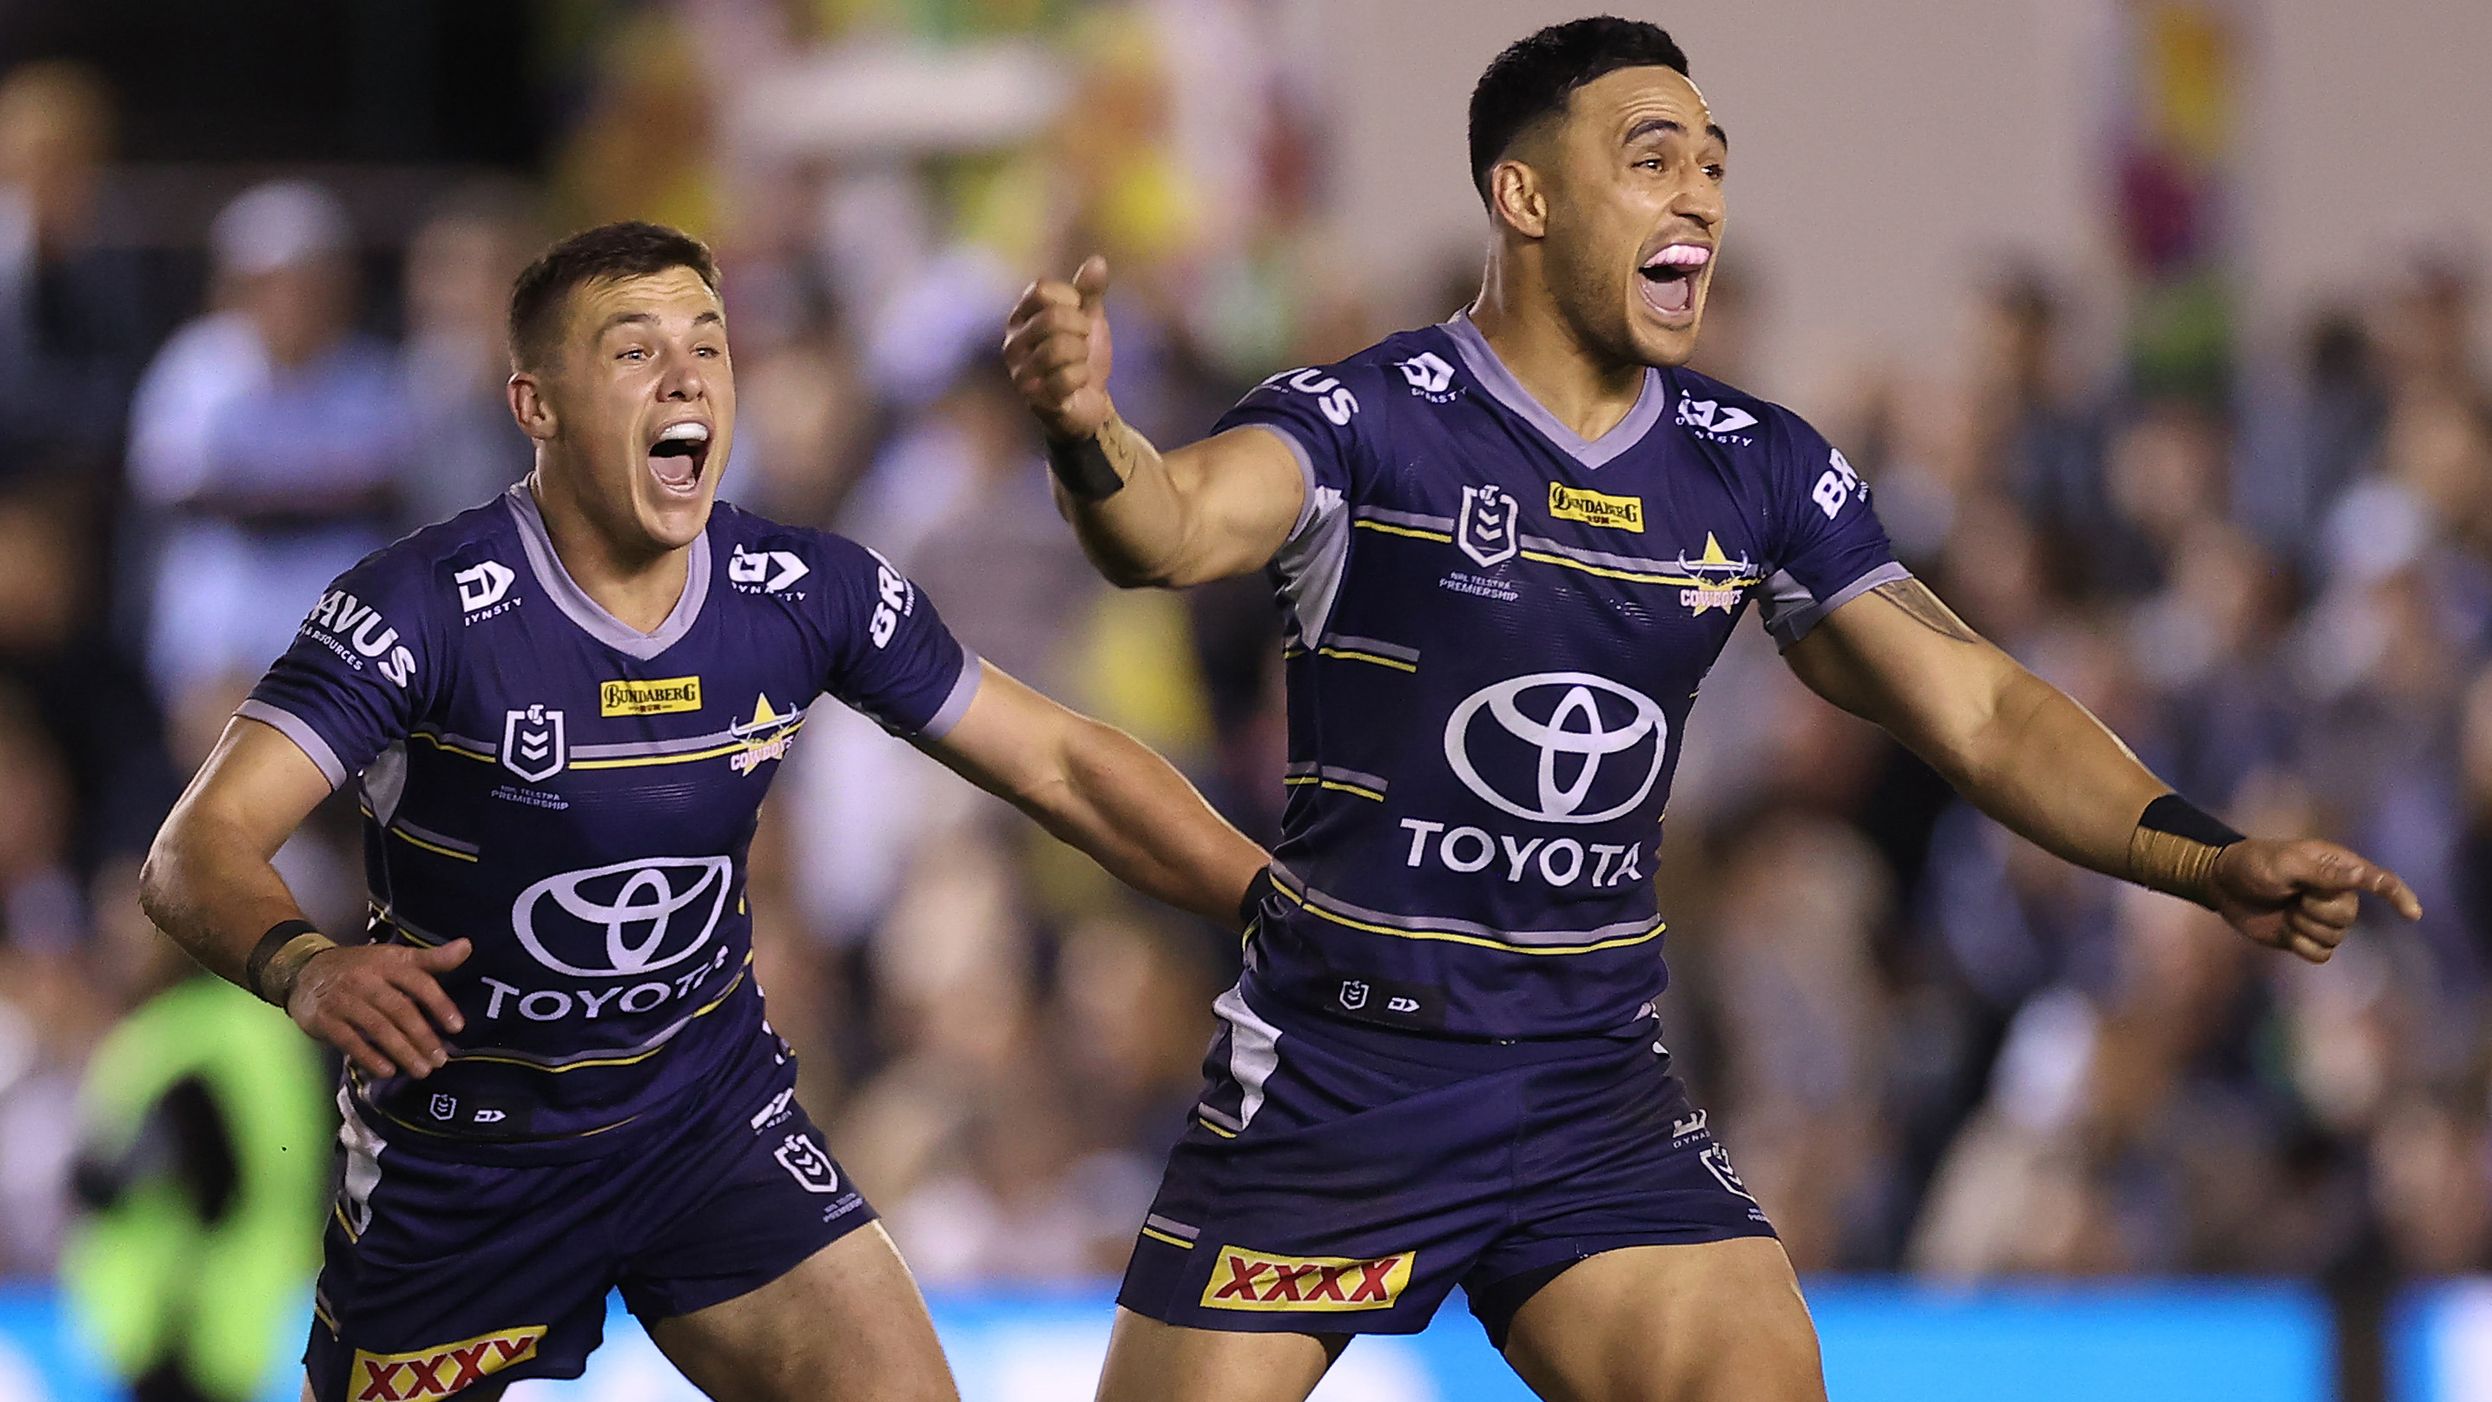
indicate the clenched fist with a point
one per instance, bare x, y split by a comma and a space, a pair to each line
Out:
2300, 896
1056, 350
380, 1004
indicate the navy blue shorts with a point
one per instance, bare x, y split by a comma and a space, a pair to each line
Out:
441, 1273
1342, 1179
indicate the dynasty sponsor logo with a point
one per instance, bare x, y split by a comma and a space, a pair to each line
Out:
1723, 423
483, 590
443, 1371
662, 696
355, 631
1251, 1280
1596, 508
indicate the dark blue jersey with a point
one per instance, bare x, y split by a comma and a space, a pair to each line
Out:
1495, 631
576, 797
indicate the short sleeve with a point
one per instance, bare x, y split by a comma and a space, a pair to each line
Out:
1328, 415
359, 672
1831, 548
892, 657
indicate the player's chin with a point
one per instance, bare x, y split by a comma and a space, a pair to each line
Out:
673, 517
1665, 344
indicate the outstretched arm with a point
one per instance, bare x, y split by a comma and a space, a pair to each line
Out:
1205, 511
1102, 791
2038, 762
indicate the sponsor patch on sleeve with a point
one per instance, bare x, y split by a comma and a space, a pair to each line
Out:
1596, 508
443, 1371
1250, 1280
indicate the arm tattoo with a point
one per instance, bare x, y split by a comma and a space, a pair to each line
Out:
1923, 607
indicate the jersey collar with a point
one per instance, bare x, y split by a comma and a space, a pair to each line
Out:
592, 617
1493, 376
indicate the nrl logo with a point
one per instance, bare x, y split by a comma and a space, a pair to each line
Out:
1486, 531
532, 743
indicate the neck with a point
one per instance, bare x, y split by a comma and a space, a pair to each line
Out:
1588, 390
639, 586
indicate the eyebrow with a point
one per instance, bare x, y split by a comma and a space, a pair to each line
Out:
708, 318
1664, 125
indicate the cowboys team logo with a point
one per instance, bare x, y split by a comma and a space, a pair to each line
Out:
1562, 747
763, 738
1487, 530
808, 1165
532, 743
1714, 580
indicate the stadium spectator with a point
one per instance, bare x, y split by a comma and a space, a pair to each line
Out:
268, 442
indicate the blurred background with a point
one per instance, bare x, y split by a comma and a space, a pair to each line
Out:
2156, 324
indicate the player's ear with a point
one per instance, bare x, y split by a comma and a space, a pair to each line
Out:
1515, 194
529, 406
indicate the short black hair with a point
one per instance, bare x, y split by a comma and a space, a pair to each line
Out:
627, 249
1535, 76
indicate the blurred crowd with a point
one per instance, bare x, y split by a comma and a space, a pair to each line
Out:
1929, 1046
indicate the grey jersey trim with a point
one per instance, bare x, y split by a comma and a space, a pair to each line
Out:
1501, 385
385, 781
1413, 519
590, 615
1428, 924
786, 722
1790, 611
428, 835
305, 738
1377, 646
1311, 562
1334, 775
1254, 1053
956, 705
1171, 1225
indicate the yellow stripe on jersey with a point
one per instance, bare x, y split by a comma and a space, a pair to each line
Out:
1179, 1242
1305, 779
1481, 941
1353, 655
403, 835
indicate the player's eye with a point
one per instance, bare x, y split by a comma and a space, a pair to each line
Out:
1715, 172
706, 352
632, 353
1649, 163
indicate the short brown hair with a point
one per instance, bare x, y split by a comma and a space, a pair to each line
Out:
627, 249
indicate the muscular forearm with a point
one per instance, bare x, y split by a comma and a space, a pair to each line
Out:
1139, 818
2045, 768
216, 899
1136, 533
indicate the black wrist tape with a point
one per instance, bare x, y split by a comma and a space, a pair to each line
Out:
1082, 466
281, 934
2181, 818
1261, 889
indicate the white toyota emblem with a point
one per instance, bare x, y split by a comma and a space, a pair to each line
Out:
1566, 745
628, 918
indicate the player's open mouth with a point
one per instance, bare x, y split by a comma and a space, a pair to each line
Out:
679, 454
1669, 279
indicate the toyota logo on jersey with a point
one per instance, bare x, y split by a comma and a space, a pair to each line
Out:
628, 918
1558, 747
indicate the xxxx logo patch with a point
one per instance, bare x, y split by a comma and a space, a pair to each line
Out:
444, 1371
1250, 1280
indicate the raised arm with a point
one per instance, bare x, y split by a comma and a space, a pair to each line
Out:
210, 884
2041, 764
1205, 511
1100, 790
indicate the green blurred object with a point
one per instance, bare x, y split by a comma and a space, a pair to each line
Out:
155, 1281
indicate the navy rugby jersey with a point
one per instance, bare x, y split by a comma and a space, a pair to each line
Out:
576, 797
1495, 630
